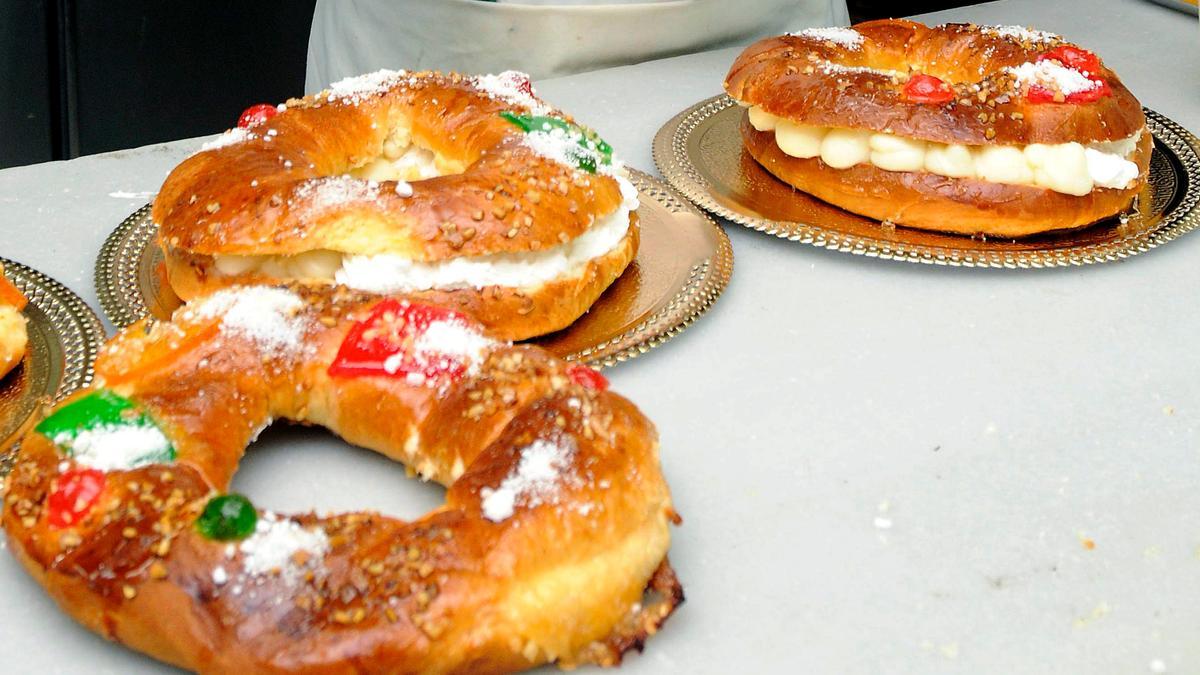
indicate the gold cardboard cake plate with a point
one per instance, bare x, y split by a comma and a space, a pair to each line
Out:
64, 337
700, 153
682, 265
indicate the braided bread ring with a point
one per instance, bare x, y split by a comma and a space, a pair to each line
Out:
503, 224
556, 516
975, 130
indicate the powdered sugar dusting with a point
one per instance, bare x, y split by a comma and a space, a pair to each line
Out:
353, 90
283, 547
1053, 76
831, 68
534, 481
453, 339
1020, 34
231, 137
268, 316
842, 37
443, 346
511, 87
563, 147
116, 447
334, 191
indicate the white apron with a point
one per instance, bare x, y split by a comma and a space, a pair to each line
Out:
544, 38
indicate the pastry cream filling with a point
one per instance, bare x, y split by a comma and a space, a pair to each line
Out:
1069, 168
402, 160
386, 272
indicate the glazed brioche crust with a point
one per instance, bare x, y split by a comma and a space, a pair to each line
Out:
253, 197
509, 313
784, 75
926, 200
453, 591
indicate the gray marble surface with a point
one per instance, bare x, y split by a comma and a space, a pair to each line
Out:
882, 467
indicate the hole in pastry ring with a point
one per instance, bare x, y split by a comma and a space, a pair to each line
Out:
280, 188
556, 516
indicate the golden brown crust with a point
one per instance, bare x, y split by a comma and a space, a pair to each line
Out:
255, 197
453, 591
929, 201
785, 75
509, 313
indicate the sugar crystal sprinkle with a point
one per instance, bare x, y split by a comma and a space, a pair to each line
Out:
534, 481
1020, 34
509, 87
116, 447
441, 344
334, 191
231, 137
831, 68
563, 147
284, 547
454, 338
1054, 76
268, 316
354, 89
842, 37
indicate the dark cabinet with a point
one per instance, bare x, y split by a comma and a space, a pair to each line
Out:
84, 76
28, 119
88, 76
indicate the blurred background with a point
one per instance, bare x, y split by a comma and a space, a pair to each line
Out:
88, 76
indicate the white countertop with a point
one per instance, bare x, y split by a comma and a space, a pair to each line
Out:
882, 467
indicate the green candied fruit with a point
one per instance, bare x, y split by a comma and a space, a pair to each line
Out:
594, 147
227, 517
106, 431
101, 408
528, 123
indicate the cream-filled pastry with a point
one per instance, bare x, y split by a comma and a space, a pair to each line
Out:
996, 130
468, 191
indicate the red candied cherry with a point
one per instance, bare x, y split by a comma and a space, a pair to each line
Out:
389, 341
256, 115
589, 378
75, 493
517, 80
522, 83
1073, 58
922, 88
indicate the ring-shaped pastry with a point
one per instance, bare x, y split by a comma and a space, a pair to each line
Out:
468, 192
555, 526
994, 130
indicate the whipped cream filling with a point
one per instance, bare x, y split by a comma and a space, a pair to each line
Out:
401, 163
388, 273
1069, 168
